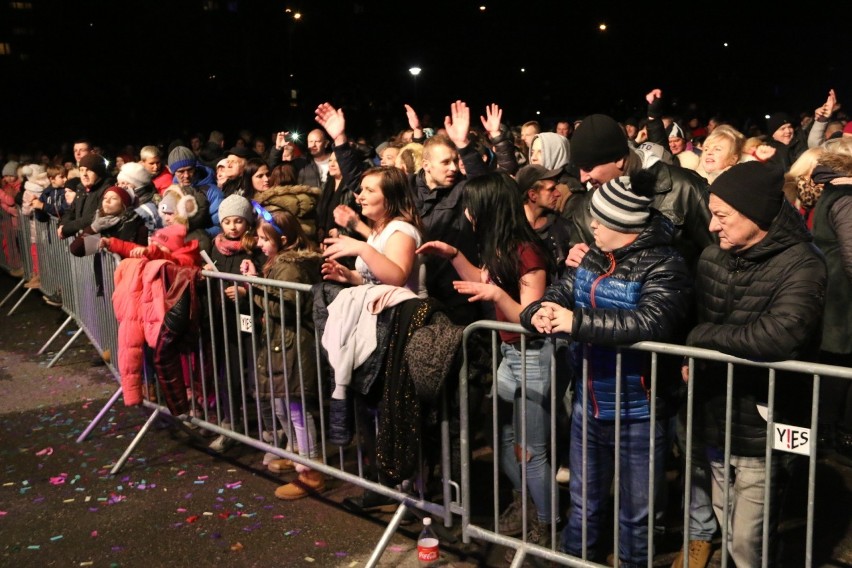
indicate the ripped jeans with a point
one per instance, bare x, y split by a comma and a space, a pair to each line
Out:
509, 374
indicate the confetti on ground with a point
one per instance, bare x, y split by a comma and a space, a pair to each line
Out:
321, 543
45, 452
33, 547
396, 548
55, 538
236, 547
341, 554
309, 559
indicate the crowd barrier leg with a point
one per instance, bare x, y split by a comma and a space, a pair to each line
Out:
18, 303
99, 416
10, 294
136, 439
55, 335
386, 536
65, 347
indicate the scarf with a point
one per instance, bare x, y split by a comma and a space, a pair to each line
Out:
226, 246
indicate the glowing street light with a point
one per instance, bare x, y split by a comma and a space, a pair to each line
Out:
415, 71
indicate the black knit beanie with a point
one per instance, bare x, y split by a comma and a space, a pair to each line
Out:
598, 140
776, 121
753, 189
95, 163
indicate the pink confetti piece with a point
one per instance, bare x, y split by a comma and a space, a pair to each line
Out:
94, 534
235, 485
320, 543
59, 479
48, 451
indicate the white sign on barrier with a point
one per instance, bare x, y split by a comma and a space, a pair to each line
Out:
788, 438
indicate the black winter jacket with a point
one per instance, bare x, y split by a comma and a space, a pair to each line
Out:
679, 194
444, 220
764, 304
82, 211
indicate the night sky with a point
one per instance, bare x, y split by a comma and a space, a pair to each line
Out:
138, 72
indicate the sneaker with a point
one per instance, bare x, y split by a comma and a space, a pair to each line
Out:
279, 465
699, 552
54, 301
563, 475
371, 502
269, 437
308, 482
269, 457
16, 272
221, 443
34, 282
510, 522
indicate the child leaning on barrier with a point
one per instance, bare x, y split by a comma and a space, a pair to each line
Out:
52, 202
232, 330
114, 217
286, 363
630, 286
155, 303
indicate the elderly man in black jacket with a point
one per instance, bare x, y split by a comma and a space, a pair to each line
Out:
760, 294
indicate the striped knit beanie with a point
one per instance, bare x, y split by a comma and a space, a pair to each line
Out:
615, 205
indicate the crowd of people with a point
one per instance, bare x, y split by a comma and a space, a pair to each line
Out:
599, 234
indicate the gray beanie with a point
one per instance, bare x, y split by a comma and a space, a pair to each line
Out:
236, 206
10, 169
181, 157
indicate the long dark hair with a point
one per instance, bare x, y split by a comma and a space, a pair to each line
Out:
399, 197
494, 204
252, 165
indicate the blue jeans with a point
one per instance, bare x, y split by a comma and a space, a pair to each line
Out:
509, 374
702, 519
599, 472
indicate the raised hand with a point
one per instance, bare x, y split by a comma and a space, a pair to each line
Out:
332, 120
492, 119
457, 124
413, 119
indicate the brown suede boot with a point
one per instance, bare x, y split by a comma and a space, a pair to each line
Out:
308, 482
699, 552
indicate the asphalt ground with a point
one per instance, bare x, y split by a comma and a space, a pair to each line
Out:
177, 504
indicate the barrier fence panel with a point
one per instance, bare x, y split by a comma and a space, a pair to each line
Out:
207, 377
210, 380
11, 241
781, 440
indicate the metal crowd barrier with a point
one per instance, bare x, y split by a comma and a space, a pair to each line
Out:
86, 285
14, 251
483, 528
219, 384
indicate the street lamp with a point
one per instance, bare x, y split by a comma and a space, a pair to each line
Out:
415, 71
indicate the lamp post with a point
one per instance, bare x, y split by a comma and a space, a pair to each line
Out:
415, 71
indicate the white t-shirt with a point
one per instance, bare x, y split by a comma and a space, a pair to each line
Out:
417, 278
322, 166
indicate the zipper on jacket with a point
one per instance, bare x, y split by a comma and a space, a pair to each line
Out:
609, 272
729, 293
597, 281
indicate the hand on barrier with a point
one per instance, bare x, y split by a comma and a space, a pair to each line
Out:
247, 268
